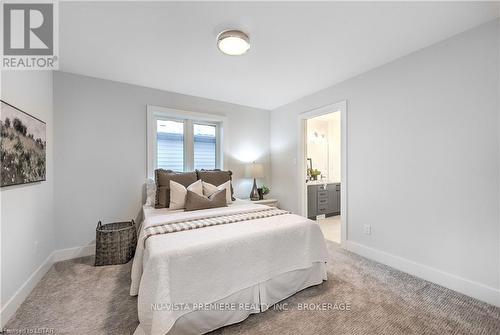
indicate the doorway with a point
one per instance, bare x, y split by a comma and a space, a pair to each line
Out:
322, 171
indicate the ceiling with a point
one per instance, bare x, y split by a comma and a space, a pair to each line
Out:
297, 48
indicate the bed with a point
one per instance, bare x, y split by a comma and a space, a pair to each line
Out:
194, 281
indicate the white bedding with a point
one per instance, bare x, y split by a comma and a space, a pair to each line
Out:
256, 299
208, 264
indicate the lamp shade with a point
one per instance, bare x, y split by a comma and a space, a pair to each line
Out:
254, 170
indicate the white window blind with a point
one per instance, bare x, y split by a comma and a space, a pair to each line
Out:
170, 145
205, 146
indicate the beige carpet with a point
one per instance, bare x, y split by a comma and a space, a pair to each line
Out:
76, 298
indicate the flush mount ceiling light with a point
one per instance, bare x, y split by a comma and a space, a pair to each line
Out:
233, 42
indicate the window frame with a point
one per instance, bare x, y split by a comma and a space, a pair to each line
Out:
155, 113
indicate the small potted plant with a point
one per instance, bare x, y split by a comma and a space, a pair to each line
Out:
314, 173
263, 190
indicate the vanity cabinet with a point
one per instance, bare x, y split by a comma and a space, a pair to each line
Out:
323, 199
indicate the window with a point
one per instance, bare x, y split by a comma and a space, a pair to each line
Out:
183, 141
170, 145
205, 146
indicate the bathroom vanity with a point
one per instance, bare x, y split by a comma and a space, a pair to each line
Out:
323, 199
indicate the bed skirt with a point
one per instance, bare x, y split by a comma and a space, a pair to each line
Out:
254, 299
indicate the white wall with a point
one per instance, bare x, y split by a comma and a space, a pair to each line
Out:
498, 97
27, 222
422, 160
100, 152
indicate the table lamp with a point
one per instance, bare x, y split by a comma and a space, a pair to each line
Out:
254, 170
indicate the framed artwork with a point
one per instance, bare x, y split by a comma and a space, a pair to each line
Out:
22, 147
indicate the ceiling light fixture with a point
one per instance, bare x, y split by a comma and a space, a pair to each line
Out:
233, 42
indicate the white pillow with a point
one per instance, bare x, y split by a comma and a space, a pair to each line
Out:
209, 189
150, 192
178, 193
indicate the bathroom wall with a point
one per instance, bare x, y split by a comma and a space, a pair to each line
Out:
317, 145
334, 144
324, 146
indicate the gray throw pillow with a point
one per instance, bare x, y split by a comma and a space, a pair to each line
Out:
216, 177
163, 178
195, 201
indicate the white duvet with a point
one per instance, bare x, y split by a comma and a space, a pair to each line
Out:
205, 265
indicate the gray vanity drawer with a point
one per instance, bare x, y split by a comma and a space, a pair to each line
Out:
322, 209
322, 202
322, 194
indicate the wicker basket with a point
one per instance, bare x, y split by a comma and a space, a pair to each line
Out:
115, 243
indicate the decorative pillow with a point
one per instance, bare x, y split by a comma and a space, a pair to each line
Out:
178, 193
209, 189
195, 201
150, 192
216, 177
163, 177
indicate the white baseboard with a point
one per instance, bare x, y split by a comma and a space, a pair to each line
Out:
70, 253
465, 286
22, 293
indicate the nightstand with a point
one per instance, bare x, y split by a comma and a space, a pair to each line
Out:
267, 202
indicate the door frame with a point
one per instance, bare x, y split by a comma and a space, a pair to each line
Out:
340, 107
